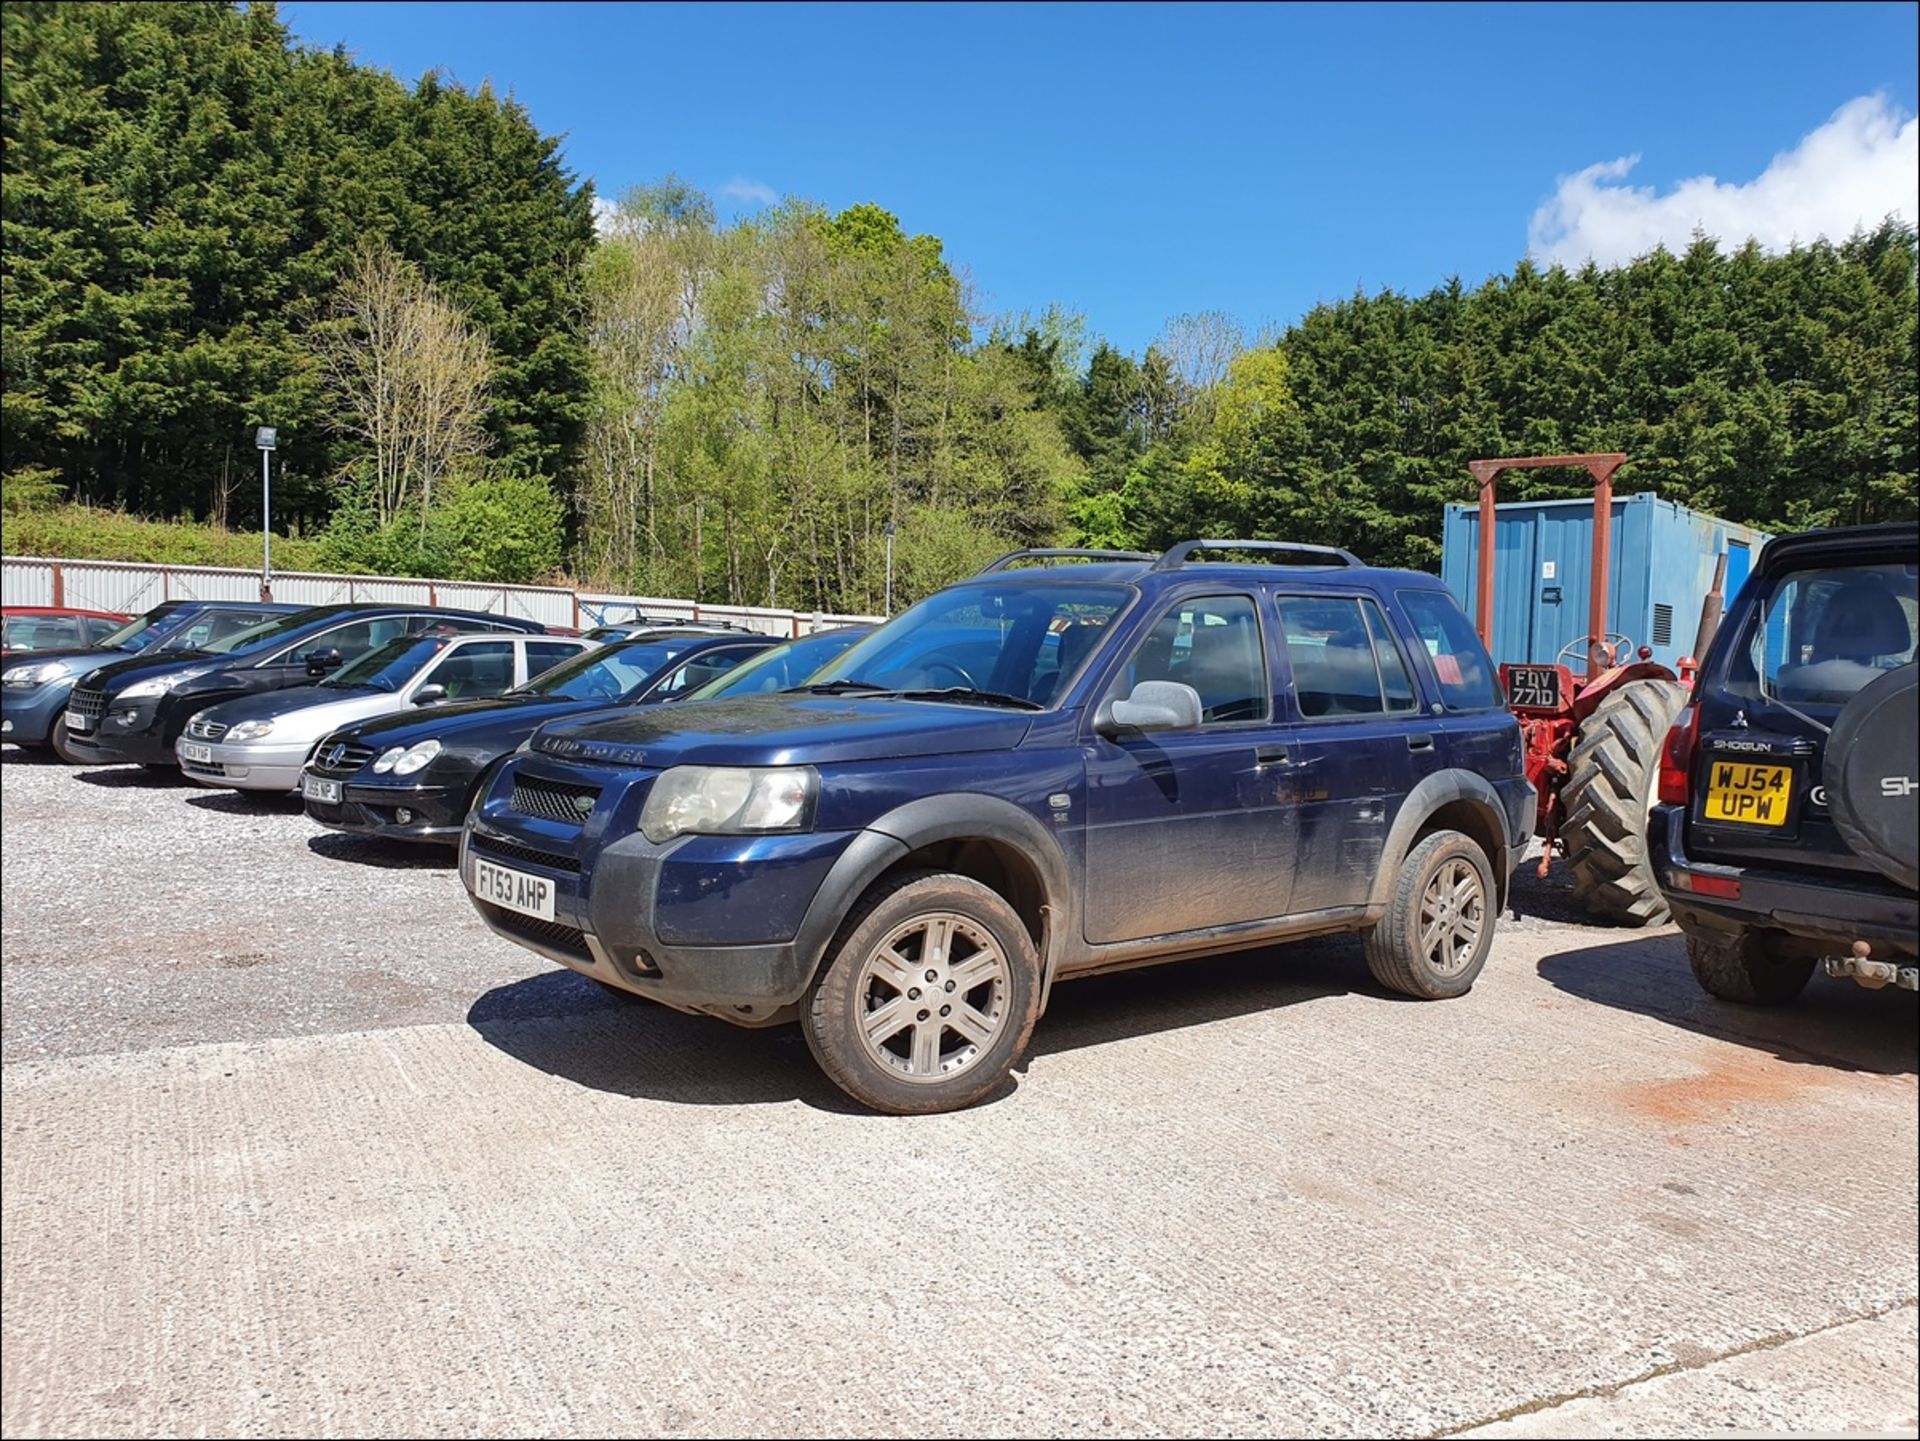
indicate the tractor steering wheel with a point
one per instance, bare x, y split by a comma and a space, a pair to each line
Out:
1613, 645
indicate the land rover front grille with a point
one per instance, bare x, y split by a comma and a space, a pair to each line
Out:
553, 800
508, 851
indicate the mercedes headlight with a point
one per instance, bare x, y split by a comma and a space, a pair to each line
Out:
250, 730
411, 759
729, 800
147, 689
25, 676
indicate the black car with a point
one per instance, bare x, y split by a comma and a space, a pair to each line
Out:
411, 777
34, 689
1786, 832
134, 710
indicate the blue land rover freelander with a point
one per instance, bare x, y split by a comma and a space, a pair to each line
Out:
1042, 772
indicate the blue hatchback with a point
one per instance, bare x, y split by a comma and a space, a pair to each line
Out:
1042, 772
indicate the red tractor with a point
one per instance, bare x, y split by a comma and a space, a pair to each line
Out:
1593, 734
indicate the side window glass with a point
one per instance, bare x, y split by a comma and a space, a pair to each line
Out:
1394, 679
1460, 663
543, 655
482, 669
1331, 652
99, 630
701, 669
352, 641
1211, 643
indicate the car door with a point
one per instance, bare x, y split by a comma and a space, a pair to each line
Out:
1190, 829
1362, 742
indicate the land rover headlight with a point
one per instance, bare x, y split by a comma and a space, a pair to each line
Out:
250, 730
27, 676
413, 758
729, 800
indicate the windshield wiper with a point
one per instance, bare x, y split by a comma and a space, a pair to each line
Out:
969, 695
838, 687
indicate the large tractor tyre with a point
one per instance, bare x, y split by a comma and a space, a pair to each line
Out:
1611, 778
1869, 774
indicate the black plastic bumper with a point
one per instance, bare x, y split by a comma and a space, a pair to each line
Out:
1833, 912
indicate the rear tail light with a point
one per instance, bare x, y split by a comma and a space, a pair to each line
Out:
1676, 757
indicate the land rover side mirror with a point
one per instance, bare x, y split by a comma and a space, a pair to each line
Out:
1155, 705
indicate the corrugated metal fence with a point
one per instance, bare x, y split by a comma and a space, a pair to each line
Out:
131, 588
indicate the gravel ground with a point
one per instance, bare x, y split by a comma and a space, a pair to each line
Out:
143, 910
294, 1146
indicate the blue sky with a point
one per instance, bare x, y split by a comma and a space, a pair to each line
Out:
1133, 162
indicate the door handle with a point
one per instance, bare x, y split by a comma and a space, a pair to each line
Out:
1270, 756
1419, 743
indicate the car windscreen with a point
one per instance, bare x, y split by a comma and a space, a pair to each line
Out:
1018, 638
609, 673
777, 669
387, 667
1824, 632
143, 630
267, 631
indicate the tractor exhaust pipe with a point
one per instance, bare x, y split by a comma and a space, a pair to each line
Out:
1710, 609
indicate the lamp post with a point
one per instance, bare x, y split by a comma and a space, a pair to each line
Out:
889, 605
266, 437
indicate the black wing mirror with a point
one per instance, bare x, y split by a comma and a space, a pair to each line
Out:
319, 662
1155, 705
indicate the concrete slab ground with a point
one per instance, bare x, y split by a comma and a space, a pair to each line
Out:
394, 1176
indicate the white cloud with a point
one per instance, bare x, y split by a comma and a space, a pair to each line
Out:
1855, 170
604, 211
749, 192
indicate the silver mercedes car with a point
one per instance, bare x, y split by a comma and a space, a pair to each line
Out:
260, 742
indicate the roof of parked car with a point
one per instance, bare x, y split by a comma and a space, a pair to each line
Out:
1336, 574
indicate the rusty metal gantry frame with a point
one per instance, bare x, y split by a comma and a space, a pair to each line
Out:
1601, 468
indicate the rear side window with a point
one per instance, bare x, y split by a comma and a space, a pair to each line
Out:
1344, 662
543, 655
1825, 632
1460, 663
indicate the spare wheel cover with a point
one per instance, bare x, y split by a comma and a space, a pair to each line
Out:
1870, 773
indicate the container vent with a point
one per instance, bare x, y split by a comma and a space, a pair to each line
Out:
1663, 625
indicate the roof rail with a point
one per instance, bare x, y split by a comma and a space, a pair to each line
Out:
1050, 553
1178, 555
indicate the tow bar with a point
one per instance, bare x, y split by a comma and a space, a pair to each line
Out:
1871, 973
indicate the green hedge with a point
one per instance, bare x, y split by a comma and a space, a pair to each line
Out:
76, 532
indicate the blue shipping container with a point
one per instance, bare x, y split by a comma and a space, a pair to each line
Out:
1661, 563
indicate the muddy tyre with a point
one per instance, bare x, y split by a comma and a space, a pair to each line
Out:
1743, 970
1612, 773
926, 997
1433, 940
